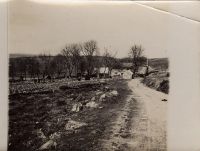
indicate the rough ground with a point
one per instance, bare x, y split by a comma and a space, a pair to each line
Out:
141, 122
158, 81
134, 120
36, 118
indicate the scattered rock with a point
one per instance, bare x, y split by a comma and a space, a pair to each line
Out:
77, 107
99, 92
85, 102
92, 104
69, 99
30, 97
102, 97
72, 125
48, 145
106, 88
93, 132
114, 93
55, 136
81, 139
40, 134
93, 98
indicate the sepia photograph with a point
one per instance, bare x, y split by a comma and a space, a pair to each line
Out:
87, 77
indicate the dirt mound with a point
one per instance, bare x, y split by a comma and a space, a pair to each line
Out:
159, 82
164, 86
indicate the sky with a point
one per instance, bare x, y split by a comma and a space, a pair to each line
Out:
187, 9
36, 28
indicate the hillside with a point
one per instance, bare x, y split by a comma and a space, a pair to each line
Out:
18, 55
159, 63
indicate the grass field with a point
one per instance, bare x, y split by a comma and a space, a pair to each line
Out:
37, 118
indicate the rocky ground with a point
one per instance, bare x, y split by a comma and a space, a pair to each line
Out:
119, 115
70, 117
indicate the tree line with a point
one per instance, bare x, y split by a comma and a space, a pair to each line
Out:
75, 60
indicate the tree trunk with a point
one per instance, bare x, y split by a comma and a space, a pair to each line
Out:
104, 74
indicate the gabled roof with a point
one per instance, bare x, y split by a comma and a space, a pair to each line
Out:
143, 70
103, 70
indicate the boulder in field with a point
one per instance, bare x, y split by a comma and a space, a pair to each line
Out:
93, 98
85, 102
73, 125
77, 107
99, 92
40, 134
114, 93
92, 104
102, 97
48, 145
55, 136
69, 99
106, 88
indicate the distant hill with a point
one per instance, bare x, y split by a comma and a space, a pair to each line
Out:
156, 63
159, 63
18, 55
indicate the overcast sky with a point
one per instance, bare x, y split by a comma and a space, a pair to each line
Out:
36, 28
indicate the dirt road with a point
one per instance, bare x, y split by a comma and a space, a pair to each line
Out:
141, 122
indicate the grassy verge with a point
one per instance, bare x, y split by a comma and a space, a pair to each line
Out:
158, 81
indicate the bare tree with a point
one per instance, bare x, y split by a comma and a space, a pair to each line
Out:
33, 67
82, 65
45, 65
136, 54
90, 49
22, 67
58, 64
109, 61
76, 50
72, 57
68, 59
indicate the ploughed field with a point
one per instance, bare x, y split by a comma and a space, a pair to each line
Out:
63, 115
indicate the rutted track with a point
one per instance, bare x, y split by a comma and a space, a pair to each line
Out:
141, 123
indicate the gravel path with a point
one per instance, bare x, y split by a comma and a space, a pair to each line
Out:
141, 123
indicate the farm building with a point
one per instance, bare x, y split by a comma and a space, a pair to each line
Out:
124, 73
127, 74
145, 70
116, 73
103, 72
